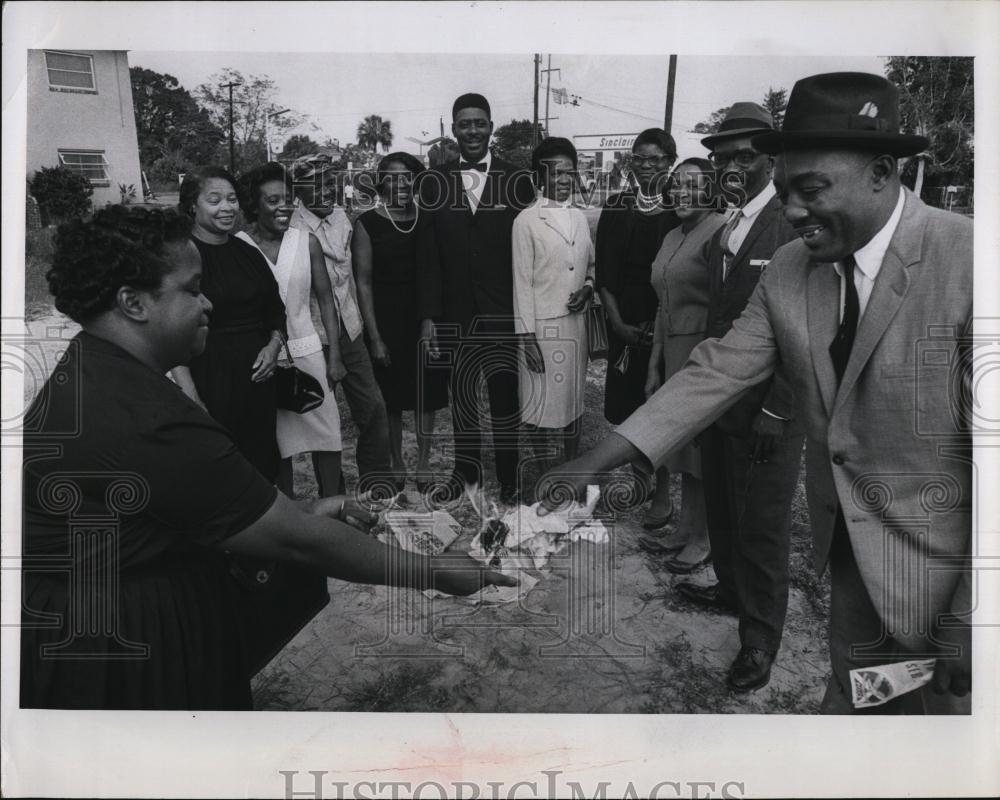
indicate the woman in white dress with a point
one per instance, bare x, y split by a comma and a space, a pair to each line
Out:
296, 259
553, 285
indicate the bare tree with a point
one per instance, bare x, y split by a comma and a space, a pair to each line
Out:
253, 97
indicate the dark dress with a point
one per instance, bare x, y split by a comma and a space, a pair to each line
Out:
627, 243
394, 291
246, 307
127, 486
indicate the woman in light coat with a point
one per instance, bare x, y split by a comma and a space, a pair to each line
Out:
553, 286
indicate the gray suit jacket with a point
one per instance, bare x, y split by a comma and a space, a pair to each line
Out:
890, 445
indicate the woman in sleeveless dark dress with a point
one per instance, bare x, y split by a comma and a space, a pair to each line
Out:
385, 257
629, 233
232, 378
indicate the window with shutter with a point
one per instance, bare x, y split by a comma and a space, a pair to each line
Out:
89, 163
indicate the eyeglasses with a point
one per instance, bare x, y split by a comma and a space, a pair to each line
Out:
641, 161
742, 158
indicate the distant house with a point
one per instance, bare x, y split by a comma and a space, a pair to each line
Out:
80, 116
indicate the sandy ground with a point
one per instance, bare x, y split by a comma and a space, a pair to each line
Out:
602, 632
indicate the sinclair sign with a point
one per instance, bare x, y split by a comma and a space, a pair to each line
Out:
604, 141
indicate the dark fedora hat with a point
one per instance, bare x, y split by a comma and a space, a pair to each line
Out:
852, 110
742, 119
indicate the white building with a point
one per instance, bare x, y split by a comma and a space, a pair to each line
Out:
80, 116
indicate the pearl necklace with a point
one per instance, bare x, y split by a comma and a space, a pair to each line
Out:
647, 202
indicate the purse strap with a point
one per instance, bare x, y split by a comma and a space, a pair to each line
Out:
284, 342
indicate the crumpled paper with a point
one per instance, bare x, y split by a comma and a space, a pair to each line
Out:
540, 537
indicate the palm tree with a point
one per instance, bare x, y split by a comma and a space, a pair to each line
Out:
374, 131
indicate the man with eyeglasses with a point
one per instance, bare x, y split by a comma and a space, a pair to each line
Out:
869, 314
751, 454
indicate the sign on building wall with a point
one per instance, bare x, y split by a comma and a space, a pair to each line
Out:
604, 141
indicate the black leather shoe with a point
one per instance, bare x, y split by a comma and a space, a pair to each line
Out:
750, 670
707, 597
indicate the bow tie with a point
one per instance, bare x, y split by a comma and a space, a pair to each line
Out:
465, 165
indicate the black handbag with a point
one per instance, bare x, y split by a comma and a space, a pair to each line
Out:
597, 331
296, 390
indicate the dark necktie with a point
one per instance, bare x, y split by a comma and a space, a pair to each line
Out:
840, 348
465, 165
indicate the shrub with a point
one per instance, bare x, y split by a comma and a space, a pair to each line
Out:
61, 193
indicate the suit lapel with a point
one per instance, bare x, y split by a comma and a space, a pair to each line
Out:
822, 300
764, 220
887, 294
490, 189
546, 217
461, 203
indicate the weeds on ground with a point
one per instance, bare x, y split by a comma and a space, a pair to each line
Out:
406, 687
39, 247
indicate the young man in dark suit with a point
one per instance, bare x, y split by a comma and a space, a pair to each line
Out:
466, 291
751, 454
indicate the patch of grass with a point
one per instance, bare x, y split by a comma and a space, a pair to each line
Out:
687, 687
407, 687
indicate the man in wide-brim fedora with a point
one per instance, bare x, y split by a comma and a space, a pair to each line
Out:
876, 281
751, 455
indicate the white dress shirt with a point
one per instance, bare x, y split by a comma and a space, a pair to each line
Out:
747, 216
869, 260
473, 181
334, 234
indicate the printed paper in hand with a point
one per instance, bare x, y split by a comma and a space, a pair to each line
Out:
873, 686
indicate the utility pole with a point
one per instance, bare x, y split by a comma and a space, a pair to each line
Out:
668, 114
232, 143
548, 90
534, 127
441, 120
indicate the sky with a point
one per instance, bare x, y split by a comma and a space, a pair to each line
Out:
619, 94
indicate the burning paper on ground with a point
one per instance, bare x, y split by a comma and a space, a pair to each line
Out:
506, 540
426, 532
873, 686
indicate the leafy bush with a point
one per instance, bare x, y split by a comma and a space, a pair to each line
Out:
61, 193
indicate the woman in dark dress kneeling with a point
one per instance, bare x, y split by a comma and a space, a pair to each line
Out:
132, 491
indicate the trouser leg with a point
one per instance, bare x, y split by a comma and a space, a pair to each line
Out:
464, 382
501, 369
763, 535
717, 480
367, 408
